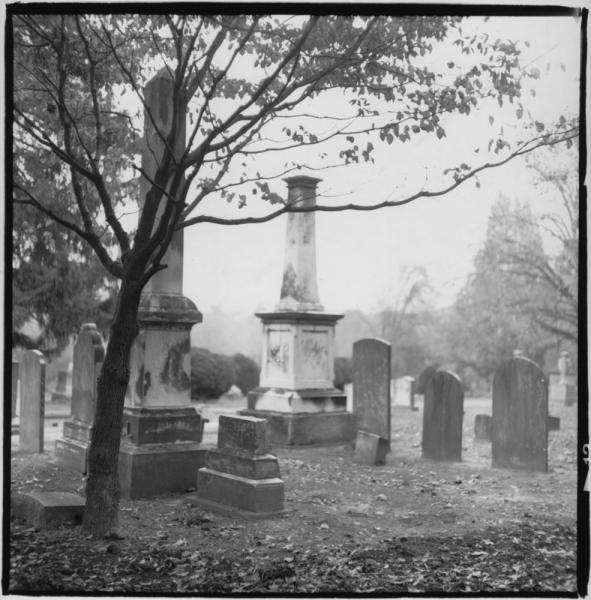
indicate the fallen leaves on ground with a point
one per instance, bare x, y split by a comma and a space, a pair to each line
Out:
531, 556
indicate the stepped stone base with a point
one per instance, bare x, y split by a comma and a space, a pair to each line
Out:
307, 429
48, 510
155, 469
256, 496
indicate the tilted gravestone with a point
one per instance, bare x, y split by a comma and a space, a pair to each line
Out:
371, 386
520, 416
370, 449
241, 476
89, 353
32, 409
443, 412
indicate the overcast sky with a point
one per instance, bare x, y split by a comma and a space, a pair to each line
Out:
360, 255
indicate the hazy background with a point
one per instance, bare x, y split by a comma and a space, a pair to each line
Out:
231, 272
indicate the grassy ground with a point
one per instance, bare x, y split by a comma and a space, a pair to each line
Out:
410, 526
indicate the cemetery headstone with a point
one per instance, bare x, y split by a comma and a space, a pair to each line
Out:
60, 393
89, 353
371, 386
520, 416
443, 412
370, 449
482, 425
241, 476
32, 409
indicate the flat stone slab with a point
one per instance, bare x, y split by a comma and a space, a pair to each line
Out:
231, 511
251, 495
48, 510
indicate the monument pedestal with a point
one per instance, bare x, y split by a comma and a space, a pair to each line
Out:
296, 395
325, 422
160, 448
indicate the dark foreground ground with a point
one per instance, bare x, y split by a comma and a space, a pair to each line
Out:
410, 526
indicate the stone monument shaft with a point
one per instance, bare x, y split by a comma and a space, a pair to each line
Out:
158, 121
299, 288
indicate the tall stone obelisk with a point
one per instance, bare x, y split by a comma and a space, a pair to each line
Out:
296, 393
160, 449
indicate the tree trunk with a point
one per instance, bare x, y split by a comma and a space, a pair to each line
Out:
102, 486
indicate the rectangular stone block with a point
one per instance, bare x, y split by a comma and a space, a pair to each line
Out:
148, 471
263, 466
72, 454
370, 449
302, 430
47, 510
248, 435
553, 423
162, 426
257, 496
77, 430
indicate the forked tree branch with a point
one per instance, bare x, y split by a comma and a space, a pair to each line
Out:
524, 148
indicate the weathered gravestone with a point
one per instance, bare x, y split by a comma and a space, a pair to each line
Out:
241, 476
520, 416
32, 409
482, 425
443, 412
89, 353
370, 449
60, 393
371, 386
